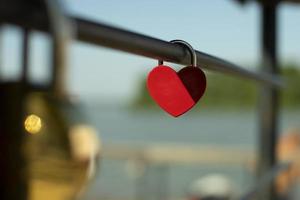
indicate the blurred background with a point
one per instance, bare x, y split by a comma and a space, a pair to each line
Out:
146, 154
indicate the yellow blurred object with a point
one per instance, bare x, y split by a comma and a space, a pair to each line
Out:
33, 124
288, 149
62, 158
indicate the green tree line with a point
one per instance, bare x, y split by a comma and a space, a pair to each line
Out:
230, 91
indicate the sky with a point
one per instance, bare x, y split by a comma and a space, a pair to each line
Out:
219, 27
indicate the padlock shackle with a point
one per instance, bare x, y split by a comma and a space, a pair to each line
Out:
189, 47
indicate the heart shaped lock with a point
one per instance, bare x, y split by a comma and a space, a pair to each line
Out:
177, 92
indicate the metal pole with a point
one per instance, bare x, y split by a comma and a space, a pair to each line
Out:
139, 44
268, 102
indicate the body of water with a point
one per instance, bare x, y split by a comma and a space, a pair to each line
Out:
234, 128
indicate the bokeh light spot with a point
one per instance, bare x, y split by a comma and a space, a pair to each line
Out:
33, 124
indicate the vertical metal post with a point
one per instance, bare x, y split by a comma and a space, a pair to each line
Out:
268, 102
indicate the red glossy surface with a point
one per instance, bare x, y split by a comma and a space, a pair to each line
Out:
194, 80
176, 93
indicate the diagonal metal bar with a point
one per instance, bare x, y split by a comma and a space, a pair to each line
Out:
139, 44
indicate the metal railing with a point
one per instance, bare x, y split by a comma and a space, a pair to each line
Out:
135, 43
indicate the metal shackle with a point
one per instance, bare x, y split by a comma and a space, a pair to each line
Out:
191, 50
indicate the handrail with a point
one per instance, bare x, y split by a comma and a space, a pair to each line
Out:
135, 43
139, 44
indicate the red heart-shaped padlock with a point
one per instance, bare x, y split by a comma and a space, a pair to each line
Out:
176, 93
